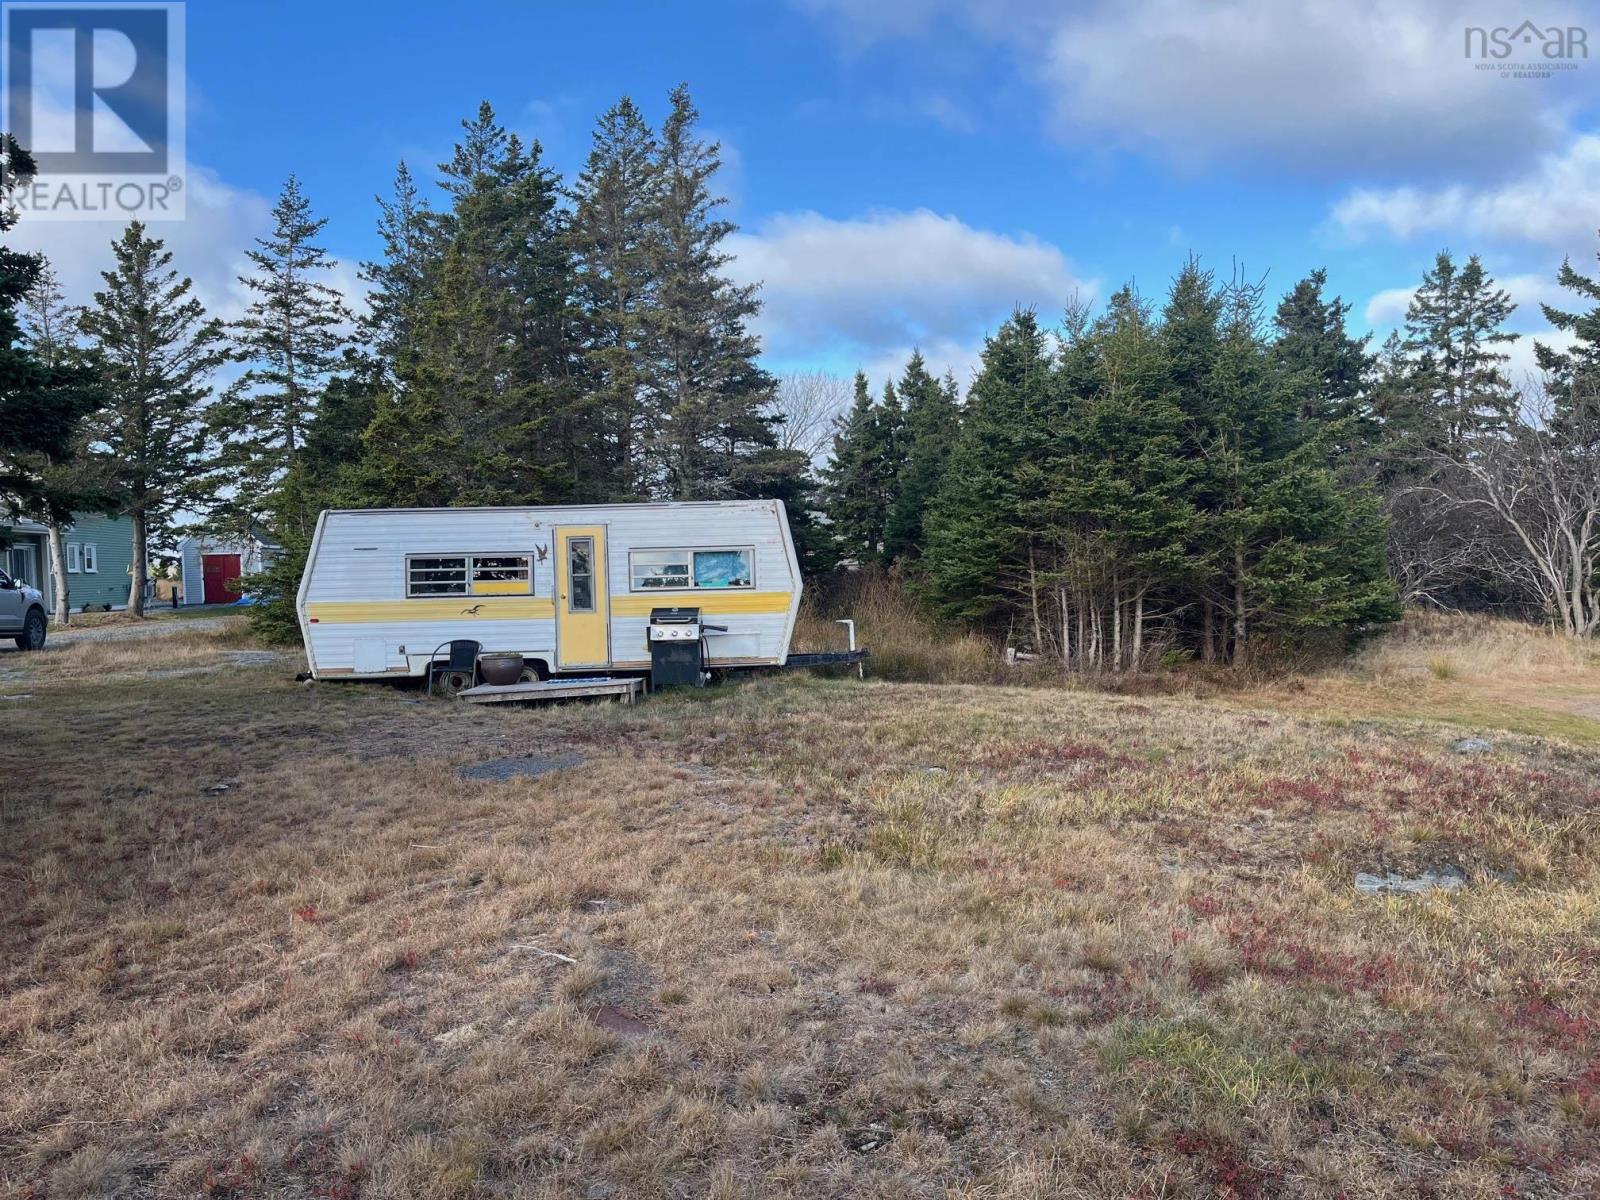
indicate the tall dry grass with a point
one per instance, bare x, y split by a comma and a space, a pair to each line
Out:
1452, 645
906, 643
1469, 650
909, 645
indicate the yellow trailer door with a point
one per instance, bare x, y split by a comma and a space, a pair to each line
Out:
583, 602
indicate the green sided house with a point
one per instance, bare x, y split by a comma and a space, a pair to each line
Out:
99, 557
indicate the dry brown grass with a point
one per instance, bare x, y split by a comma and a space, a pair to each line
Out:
141, 658
1473, 672
1470, 672
830, 939
1477, 645
906, 644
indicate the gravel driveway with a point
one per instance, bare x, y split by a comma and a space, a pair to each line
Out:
151, 627
145, 629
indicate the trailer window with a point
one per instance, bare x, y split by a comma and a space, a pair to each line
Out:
502, 575
580, 575
474, 574
436, 576
722, 569
652, 569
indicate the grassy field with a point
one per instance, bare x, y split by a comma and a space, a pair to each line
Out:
800, 937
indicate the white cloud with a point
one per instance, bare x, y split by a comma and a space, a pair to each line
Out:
1322, 85
208, 245
864, 291
1555, 204
1388, 308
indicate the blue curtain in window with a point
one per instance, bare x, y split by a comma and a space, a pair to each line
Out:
721, 568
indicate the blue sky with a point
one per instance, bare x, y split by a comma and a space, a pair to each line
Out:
904, 172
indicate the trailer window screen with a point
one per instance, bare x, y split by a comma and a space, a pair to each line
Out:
722, 569
652, 569
436, 576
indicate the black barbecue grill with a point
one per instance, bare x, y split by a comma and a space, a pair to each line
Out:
677, 647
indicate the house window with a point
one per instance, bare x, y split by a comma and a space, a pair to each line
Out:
580, 575
74, 559
436, 576
469, 574
91, 558
653, 570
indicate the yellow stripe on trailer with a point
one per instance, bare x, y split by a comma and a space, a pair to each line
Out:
482, 608
535, 608
710, 603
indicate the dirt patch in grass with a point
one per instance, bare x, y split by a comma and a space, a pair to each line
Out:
797, 937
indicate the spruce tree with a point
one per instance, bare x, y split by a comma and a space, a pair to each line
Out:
1108, 509
1190, 334
854, 478
1453, 335
976, 563
1300, 554
614, 210
889, 436
291, 338
931, 425
397, 282
41, 405
156, 351
480, 410
1573, 375
1323, 369
324, 474
710, 395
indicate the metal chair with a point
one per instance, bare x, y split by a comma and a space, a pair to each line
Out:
462, 661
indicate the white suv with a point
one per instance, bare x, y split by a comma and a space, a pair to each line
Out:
22, 615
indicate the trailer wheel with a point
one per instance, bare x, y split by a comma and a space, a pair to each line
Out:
455, 682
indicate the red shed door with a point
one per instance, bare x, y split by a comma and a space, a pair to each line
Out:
219, 570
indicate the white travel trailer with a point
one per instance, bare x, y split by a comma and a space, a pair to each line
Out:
571, 589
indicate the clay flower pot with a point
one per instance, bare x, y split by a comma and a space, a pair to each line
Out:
500, 669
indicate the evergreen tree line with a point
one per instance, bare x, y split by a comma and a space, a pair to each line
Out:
1200, 480
528, 340
1193, 479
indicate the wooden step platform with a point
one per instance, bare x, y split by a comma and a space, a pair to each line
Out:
553, 689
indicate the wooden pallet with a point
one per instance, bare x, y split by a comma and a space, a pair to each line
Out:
554, 689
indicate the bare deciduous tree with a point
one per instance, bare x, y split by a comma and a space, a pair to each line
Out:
1542, 486
1433, 545
807, 402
